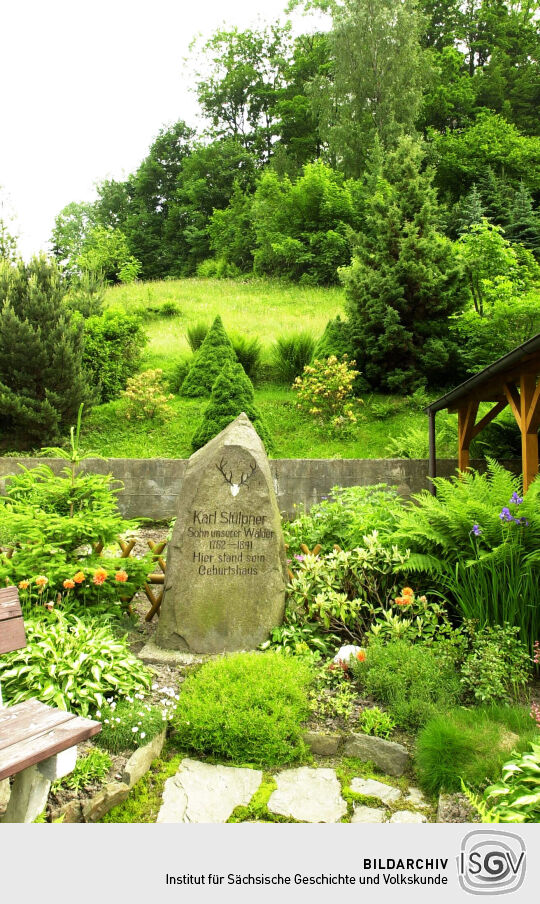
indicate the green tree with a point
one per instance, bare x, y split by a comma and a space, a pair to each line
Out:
231, 232
8, 236
232, 394
113, 344
524, 221
215, 351
468, 210
71, 228
42, 382
106, 251
404, 280
378, 73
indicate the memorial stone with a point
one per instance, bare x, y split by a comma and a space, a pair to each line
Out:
226, 564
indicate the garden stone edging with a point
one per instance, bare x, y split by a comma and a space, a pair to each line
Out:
139, 762
388, 756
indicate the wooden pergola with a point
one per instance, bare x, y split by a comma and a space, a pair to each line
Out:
512, 380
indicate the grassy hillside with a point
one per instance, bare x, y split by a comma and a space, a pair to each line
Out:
261, 308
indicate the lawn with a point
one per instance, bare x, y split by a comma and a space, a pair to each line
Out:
263, 308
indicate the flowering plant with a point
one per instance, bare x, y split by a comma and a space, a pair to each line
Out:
325, 390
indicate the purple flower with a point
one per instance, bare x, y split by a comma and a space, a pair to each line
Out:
476, 530
522, 521
505, 515
516, 499
299, 558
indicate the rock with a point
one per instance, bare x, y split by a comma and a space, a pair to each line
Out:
323, 744
110, 796
387, 755
226, 563
200, 792
308, 795
416, 798
368, 814
371, 788
5, 792
139, 762
407, 816
72, 812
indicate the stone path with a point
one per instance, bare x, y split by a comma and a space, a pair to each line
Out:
200, 792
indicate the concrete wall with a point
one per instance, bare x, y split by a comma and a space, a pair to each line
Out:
152, 485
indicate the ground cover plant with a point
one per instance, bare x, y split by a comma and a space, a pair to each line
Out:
245, 707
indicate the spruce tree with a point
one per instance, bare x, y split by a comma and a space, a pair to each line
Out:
404, 281
524, 225
215, 351
42, 382
232, 394
468, 210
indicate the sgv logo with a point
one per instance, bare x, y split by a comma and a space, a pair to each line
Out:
491, 863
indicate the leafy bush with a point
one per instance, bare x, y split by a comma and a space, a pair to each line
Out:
516, 798
214, 352
414, 682
345, 518
129, 723
497, 667
49, 526
373, 721
145, 397
325, 390
469, 745
290, 354
343, 591
246, 707
89, 769
217, 268
414, 442
113, 344
418, 620
170, 309
70, 664
232, 394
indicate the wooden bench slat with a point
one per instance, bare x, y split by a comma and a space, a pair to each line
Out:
34, 750
17, 723
12, 636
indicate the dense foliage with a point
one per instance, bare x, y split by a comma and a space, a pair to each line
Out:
232, 394
214, 352
113, 344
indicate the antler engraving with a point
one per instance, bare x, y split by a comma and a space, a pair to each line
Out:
235, 487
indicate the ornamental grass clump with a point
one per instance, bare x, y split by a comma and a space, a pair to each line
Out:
232, 394
245, 707
214, 352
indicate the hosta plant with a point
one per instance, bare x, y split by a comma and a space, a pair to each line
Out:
516, 798
71, 664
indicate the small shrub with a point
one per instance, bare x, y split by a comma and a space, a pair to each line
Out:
214, 352
414, 682
113, 345
145, 397
70, 664
290, 354
217, 268
497, 667
325, 390
196, 334
246, 707
170, 309
469, 745
232, 394
89, 770
129, 723
373, 721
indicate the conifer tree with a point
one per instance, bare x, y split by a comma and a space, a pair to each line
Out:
469, 210
215, 351
42, 382
404, 281
232, 394
524, 225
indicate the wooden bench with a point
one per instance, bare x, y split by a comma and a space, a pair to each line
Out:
38, 743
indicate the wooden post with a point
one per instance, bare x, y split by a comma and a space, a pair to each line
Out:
432, 452
529, 420
466, 418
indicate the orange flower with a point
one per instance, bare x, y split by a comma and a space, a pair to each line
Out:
100, 576
41, 580
403, 600
24, 585
407, 591
79, 577
69, 584
121, 576
361, 656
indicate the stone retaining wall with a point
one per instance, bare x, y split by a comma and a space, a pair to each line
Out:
151, 485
